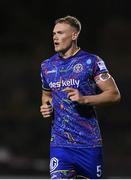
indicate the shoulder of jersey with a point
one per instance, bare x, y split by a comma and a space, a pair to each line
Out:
46, 61
89, 57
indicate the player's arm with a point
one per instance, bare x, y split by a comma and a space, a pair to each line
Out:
46, 107
110, 93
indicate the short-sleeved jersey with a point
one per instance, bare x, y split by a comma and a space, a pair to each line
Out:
73, 125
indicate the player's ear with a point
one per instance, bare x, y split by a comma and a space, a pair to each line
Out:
75, 35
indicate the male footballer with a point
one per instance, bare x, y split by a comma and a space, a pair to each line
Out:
73, 83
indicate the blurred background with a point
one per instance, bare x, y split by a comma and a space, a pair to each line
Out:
25, 41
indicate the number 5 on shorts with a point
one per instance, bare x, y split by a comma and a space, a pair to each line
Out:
99, 171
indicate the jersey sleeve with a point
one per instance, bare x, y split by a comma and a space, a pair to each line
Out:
45, 85
99, 66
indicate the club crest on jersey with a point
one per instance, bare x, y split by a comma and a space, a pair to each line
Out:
53, 163
78, 68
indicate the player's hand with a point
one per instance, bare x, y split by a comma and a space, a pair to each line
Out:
74, 95
46, 110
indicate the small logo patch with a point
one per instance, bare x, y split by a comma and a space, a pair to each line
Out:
53, 164
101, 65
78, 68
88, 61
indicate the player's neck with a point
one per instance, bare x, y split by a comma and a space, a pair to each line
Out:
70, 52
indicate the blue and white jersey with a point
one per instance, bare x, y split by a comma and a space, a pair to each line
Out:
74, 125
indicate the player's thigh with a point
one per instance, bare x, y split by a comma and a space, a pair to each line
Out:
61, 165
89, 163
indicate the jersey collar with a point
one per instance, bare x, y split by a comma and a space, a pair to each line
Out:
73, 53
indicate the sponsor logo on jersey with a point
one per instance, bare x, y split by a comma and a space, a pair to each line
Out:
78, 68
53, 164
66, 83
51, 71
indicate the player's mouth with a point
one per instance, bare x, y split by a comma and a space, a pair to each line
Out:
56, 44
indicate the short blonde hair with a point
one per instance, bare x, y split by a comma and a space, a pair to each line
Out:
71, 20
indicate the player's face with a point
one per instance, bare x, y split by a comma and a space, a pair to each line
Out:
63, 36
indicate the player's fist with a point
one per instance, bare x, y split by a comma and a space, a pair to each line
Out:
46, 110
74, 95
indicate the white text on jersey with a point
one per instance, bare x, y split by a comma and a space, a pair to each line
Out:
66, 83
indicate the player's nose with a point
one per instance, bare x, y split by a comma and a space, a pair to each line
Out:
55, 37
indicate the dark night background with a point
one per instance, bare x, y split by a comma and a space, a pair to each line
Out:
25, 40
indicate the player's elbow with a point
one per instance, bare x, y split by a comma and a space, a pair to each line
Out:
116, 97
